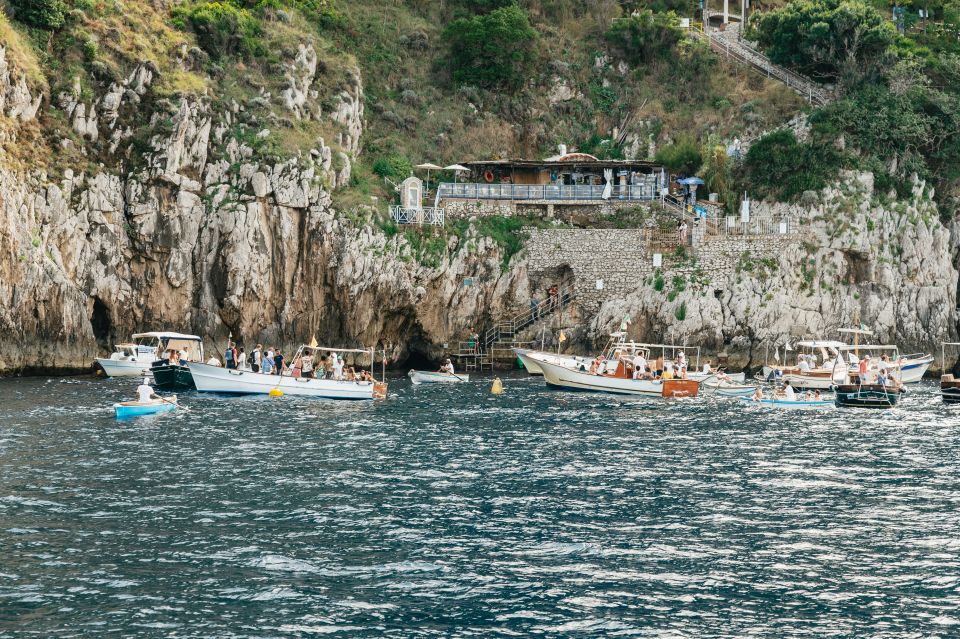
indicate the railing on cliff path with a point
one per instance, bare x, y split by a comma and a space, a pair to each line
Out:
497, 340
734, 48
755, 226
428, 215
546, 192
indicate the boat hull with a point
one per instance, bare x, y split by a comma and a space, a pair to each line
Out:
213, 379
425, 377
711, 379
866, 396
531, 360
568, 379
788, 404
124, 410
731, 390
172, 377
124, 367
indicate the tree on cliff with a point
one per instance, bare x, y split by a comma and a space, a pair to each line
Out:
829, 39
496, 50
42, 14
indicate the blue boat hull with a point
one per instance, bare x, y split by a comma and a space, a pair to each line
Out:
138, 411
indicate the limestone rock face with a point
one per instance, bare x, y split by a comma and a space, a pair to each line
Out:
201, 237
856, 261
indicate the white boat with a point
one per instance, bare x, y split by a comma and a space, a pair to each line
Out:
531, 360
572, 379
728, 388
128, 360
706, 378
794, 404
214, 379
425, 377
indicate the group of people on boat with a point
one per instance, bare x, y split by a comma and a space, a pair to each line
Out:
788, 393
272, 361
177, 357
636, 366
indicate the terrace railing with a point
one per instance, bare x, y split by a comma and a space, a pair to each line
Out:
428, 215
769, 226
548, 192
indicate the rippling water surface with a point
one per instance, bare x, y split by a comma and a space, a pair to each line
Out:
451, 512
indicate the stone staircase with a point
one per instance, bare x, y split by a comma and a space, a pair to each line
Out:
727, 42
497, 343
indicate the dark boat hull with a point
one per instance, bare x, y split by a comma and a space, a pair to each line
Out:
172, 377
950, 393
866, 396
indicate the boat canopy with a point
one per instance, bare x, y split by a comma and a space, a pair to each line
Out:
821, 344
167, 335
855, 331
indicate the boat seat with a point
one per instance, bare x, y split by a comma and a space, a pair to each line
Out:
946, 378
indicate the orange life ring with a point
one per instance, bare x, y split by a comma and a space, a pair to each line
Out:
488, 176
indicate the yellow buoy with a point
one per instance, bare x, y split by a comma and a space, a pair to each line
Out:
497, 388
276, 392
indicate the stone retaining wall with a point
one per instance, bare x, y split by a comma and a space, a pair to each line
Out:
563, 210
622, 259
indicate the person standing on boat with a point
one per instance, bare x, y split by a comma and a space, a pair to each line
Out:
256, 358
278, 362
337, 366
241, 359
145, 392
267, 363
804, 365
306, 364
658, 366
230, 355
864, 367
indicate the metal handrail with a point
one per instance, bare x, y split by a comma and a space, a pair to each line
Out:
550, 192
429, 215
527, 318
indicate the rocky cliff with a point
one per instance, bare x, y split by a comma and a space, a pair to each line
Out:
858, 257
189, 231
215, 215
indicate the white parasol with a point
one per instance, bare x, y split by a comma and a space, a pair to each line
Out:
456, 168
428, 166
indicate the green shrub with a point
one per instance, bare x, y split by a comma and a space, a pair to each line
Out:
826, 38
645, 35
684, 157
778, 166
393, 166
496, 50
42, 14
222, 28
681, 312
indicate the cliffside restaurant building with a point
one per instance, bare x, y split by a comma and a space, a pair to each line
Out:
567, 176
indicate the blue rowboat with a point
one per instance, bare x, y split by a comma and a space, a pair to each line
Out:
138, 409
796, 404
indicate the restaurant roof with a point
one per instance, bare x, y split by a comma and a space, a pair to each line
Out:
571, 159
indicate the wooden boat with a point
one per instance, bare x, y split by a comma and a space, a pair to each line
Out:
949, 386
138, 408
172, 374
708, 378
214, 379
793, 404
867, 395
949, 389
425, 377
618, 382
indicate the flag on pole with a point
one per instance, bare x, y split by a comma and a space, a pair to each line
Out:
625, 323
786, 346
562, 337
776, 355
313, 342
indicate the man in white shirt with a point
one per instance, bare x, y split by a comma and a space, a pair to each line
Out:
337, 366
788, 393
804, 366
447, 367
145, 392
707, 368
639, 366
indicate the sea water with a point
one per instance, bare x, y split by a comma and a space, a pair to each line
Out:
446, 511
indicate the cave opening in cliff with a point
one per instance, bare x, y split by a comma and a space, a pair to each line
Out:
101, 324
419, 360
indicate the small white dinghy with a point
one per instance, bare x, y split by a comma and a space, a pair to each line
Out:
424, 377
795, 404
727, 388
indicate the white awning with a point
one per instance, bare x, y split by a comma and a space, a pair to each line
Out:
166, 335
